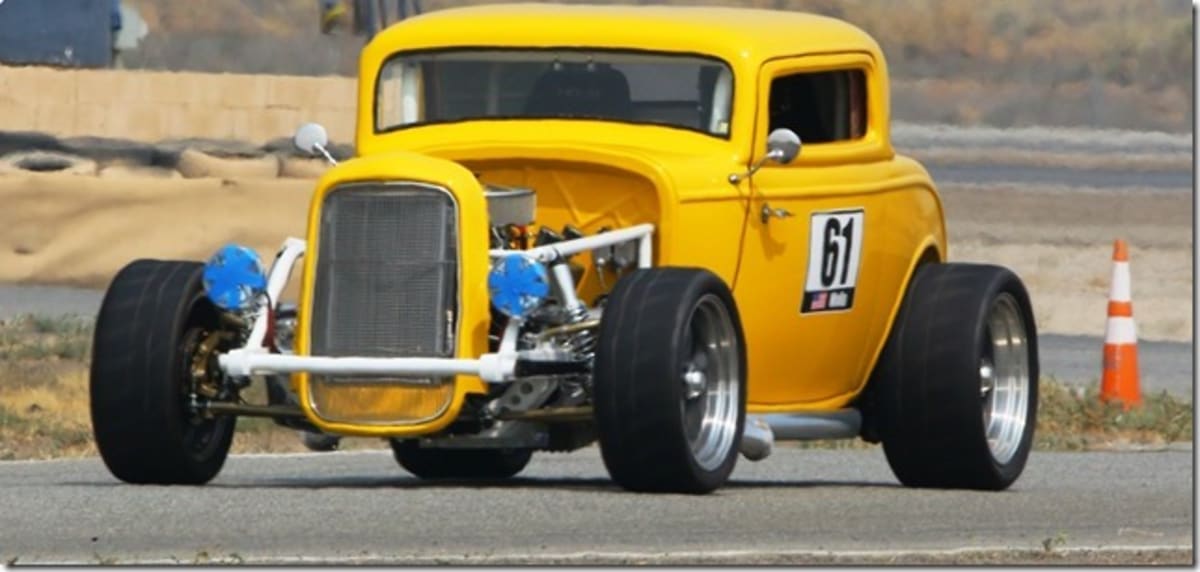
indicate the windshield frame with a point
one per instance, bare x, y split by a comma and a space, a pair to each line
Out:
388, 61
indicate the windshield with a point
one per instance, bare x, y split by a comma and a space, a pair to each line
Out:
683, 91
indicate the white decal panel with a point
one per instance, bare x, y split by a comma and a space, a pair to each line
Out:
835, 242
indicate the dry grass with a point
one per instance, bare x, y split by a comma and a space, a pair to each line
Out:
43, 388
1074, 419
44, 405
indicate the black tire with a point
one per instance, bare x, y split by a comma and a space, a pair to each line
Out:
931, 394
152, 313
320, 442
460, 463
641, 405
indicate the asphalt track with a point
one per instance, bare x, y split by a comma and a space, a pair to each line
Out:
794, 506
1093, 178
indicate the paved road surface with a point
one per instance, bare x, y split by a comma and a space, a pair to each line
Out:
361, 505
1025, 175
1085, 141
48, 300
1163, 366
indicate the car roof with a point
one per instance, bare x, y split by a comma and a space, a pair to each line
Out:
745, 35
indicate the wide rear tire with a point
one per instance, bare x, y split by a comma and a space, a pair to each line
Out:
670, 381
151, 320
958, 380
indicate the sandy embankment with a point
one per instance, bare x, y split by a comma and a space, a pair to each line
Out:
64, 229
1059, 241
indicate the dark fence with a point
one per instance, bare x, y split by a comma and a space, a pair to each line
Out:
71, 33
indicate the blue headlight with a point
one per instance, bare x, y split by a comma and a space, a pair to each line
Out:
234, 278
518, 284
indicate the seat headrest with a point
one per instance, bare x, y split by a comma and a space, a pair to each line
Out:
581, 91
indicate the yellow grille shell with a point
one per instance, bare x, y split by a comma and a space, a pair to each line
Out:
377, 401
373, 408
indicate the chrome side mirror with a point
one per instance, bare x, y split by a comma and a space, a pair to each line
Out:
313, 139
783, 146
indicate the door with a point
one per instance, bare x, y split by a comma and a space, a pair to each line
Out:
807, 286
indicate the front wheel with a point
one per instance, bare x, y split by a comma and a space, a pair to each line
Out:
670, 381
156, 339
958, 380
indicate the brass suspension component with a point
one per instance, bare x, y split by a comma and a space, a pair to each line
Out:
567, 329
205, 378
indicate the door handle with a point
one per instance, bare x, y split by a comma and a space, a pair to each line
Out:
768, 212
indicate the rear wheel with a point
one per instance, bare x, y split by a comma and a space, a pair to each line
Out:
460, 463
670, 381
320, 442
957, 382
156, 341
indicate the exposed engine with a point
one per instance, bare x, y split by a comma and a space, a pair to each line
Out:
563, 324
561, 329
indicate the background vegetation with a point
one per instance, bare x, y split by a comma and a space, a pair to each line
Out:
1112, 63
44, 406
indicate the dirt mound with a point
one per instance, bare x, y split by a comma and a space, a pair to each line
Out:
195, 164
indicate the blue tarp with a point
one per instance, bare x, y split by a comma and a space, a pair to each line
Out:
74, 33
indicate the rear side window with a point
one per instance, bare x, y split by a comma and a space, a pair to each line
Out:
822, 107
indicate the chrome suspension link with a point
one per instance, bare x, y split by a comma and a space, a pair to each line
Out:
583, 342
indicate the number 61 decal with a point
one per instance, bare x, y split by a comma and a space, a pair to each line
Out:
835, 241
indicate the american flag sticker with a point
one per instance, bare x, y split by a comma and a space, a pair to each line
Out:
830, 301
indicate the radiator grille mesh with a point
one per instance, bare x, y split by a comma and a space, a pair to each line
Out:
386, 274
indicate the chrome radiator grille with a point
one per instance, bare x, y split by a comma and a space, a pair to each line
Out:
387, 272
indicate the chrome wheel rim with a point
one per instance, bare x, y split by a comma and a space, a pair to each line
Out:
710, 379
1004, 383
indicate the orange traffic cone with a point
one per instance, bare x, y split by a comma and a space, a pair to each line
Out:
1120, 379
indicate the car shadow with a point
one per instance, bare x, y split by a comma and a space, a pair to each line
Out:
405, 482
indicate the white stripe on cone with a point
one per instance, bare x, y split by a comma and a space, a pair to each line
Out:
1121, 290
1121, 331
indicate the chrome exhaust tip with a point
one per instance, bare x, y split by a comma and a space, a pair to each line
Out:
757, 439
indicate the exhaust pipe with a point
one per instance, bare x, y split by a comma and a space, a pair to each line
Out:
757, 439
761, 431
840, 424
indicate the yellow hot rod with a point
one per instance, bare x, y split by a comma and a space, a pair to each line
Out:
680, 233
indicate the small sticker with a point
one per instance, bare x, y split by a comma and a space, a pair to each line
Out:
835, 241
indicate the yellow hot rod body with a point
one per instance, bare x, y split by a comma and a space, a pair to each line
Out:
596, 173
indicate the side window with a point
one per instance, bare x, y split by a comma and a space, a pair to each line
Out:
821, 107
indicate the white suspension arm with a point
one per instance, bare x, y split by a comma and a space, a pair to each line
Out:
642, 233
281, 271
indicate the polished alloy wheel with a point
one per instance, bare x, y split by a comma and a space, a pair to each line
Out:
1004, 379
710, 382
